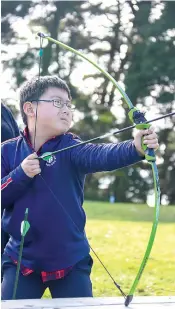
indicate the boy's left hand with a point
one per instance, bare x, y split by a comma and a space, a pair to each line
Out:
149, 138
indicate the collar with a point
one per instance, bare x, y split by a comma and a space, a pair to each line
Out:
25, 134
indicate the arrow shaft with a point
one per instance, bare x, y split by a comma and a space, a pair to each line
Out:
104, 136
19, 258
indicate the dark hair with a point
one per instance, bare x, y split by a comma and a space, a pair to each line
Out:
34, 88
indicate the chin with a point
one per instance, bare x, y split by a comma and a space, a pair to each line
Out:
62, 130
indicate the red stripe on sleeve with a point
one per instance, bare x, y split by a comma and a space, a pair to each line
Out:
5, 184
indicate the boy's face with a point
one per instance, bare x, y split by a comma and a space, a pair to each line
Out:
54, 117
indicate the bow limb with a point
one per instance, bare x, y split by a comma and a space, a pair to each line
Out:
152, 234
138, 118
105, 73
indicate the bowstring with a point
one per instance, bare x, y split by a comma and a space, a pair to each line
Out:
26, 211
39, 75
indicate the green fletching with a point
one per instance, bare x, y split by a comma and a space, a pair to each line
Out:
46, 156
25, 225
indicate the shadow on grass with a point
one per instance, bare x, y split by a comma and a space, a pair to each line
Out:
127, 212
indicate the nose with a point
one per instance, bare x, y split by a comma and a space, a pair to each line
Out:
65, 109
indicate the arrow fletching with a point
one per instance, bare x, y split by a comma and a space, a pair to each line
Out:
25, 225
46, 156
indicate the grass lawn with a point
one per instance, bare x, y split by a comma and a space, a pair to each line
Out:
119, 234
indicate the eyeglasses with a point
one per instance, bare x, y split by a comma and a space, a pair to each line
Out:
59, 103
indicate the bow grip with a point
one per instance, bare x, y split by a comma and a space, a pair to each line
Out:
149, 153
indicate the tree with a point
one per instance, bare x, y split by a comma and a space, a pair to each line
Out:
133, 45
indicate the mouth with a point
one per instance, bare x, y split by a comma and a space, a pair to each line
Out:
65, 120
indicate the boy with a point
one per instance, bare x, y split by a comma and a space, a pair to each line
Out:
56, 250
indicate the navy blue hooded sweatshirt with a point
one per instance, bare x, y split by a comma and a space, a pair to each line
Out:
9, 129
53, 241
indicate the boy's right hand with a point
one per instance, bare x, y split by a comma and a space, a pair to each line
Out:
31, 166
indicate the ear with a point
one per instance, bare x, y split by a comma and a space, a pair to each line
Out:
29, 109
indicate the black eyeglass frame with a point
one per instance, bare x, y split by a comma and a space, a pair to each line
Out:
55, 103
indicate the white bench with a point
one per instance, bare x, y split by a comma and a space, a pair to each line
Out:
142, 302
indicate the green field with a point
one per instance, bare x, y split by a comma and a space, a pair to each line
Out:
119, 234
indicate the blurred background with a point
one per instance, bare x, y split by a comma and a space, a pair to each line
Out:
135, 42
